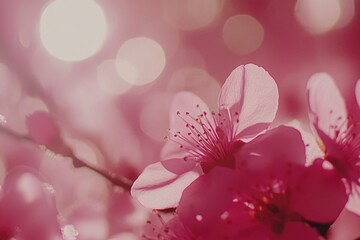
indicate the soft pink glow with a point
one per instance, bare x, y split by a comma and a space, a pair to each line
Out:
243, 34
140, 60
315, 18
191, 14
72, 30
108, 79
89, 89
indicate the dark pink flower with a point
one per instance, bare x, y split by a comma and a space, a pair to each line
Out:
273, 195
338, 134
201, 139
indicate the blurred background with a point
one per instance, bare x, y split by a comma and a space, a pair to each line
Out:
106, 71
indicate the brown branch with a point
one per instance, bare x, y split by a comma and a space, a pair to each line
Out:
111, 177
32, 87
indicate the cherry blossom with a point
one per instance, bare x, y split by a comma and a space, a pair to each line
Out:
200, 139
273, 196
338, 133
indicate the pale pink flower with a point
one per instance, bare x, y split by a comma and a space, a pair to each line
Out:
166, 227
273, 196
201, 139
338, 133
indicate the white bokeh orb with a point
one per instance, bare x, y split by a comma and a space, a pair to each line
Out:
140, 60
73, 30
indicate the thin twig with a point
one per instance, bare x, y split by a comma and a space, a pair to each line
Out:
32, 87
113, 178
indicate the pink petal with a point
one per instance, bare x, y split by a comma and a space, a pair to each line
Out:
179, 229
329, 145
347, 226
357, 92
44, 131
206, 199
161, 184
319, 195
297, 231
326, 105
311, 146
273, 151
237, 219
183, 103
256, 232
353, 205
252, 93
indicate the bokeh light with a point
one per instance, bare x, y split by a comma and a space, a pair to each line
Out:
93, 228
107, 73
318, 16
27, 186
108, 79
140, 60
191, 14
196, 80
243, 34
73, 30
69, 232
347, 13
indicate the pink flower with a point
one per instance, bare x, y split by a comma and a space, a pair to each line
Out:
201, 139
161, 227
338, 134
273, 196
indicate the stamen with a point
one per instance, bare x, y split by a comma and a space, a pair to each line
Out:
210, 137
268, 204
346, 135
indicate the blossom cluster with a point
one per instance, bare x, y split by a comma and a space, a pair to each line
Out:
232, 174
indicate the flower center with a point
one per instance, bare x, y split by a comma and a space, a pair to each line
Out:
159, 229
271, 206
346, 161
209, 138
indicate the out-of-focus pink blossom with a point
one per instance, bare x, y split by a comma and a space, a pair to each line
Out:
338, 134
272, 196
44, 131
201, 139
27, 208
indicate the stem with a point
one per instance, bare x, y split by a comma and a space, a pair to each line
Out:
33, 88
122, 182
111, 177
